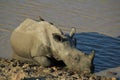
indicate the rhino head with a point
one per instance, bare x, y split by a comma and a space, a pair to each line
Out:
73, 58
80, 62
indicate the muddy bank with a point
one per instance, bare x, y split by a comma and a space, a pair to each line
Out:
112, 72
16, 70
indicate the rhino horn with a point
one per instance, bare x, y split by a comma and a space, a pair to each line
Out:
72, 32
91, 56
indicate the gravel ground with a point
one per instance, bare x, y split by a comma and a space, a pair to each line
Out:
11, 69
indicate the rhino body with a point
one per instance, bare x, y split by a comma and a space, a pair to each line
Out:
43, 43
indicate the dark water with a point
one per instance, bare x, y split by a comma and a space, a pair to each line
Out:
92, 18
107, 49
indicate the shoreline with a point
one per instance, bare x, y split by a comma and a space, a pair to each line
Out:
16, 70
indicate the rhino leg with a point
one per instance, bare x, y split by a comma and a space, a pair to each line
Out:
43, 61
15, 56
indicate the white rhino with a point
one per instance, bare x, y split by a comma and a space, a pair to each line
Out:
43, 43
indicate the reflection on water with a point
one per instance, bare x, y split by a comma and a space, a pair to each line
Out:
102, 16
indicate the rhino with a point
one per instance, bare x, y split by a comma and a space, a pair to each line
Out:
42, 42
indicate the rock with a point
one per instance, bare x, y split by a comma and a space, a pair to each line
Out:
60, 74
47, 70
25, 66
2, 65
53, 69
70, 73
18, 76
14, 64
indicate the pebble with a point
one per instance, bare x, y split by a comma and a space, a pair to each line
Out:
70, 73
2, 65
60, 74
14, 64
25, 66
46, 70
54, 68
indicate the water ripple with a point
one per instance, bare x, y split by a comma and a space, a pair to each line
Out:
107, 49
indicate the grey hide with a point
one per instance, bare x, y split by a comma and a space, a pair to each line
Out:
41, 42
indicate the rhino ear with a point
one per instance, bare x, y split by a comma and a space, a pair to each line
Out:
91, 56
72, 32
61, 32
57, 37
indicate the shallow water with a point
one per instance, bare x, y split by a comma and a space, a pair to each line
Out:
92, 18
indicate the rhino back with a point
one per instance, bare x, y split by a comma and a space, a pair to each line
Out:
41, 30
